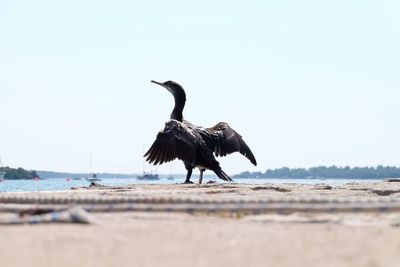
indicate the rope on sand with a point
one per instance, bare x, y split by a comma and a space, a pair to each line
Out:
192, 200
51, 208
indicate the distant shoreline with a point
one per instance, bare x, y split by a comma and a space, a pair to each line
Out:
321, 172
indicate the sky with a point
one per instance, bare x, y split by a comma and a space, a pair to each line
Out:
305, 82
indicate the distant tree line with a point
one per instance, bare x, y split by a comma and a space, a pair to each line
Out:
20, 173
379, 172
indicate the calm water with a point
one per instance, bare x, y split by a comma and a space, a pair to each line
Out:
64, 184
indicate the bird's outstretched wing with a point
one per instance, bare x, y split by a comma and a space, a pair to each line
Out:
226, 141
174, 141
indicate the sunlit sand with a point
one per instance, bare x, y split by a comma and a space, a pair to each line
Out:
214, 239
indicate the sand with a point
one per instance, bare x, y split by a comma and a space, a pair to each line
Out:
168, 239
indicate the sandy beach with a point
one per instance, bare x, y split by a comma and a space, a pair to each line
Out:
183, 239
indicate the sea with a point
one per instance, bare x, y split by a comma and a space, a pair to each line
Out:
58, 184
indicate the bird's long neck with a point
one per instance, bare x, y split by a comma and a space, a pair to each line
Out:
180, 99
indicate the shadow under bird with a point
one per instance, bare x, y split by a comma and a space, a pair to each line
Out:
194, 145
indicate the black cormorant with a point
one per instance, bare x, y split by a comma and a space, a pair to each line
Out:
192, 144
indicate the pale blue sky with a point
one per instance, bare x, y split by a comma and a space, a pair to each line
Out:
305, 82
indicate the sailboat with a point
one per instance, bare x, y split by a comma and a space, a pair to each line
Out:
93, 176
170, 177
147, 175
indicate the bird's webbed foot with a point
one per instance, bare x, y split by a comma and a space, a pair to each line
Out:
187, 182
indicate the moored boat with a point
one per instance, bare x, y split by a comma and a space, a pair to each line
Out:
93, 178
148, 176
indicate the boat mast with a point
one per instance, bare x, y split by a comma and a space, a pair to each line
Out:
91, 162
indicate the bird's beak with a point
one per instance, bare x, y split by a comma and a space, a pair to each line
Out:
157, 83
161, 84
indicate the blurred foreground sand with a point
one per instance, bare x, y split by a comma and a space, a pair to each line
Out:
166, 239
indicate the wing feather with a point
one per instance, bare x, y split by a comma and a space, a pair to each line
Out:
226, 141
174, 141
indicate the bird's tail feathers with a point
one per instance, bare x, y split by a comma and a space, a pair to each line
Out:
221, 174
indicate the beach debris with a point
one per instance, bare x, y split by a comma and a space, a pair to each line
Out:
296, 218
392, 180
94, 184
35, 211
219, 191
275, 188
384, 192
70, 215
322, 187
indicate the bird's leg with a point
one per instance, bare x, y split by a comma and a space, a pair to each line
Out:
189, 174
201, 176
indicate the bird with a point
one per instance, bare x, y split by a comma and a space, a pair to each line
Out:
196, 146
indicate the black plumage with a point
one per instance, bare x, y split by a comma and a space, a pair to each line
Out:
192, 144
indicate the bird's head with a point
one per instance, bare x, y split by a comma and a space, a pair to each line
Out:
179, 95
174, 88
171, 86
